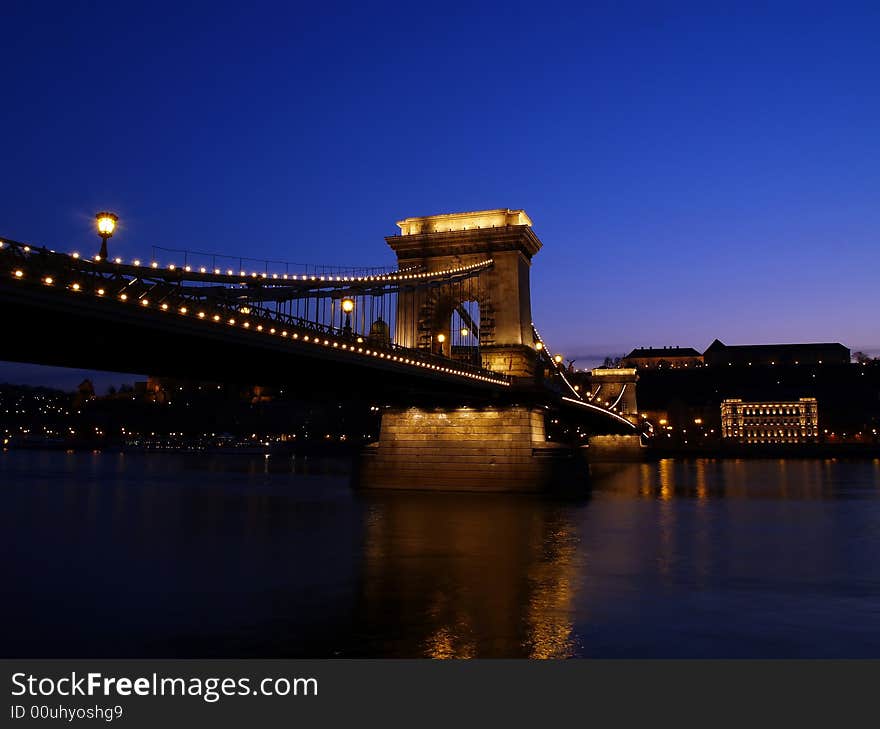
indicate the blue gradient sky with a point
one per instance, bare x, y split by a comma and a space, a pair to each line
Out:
694, 170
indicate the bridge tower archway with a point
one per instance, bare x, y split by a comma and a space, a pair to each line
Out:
500, 293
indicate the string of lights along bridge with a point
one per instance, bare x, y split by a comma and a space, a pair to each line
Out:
441, 316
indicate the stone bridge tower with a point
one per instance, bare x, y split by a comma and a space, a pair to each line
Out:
442, 242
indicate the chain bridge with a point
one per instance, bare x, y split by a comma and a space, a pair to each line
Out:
446, 336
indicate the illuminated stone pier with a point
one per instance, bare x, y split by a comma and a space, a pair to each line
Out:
616, 448
485, 449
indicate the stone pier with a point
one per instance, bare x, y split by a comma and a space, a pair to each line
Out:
616, 448
465, 449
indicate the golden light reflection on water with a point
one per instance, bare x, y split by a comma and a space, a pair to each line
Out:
444, 645
667, 478
711, 478
551, 600
491, 576
702, 489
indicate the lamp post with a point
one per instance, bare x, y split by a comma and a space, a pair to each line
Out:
106, 226
440, 339
347, 307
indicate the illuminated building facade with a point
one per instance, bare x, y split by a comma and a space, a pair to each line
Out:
662, 357
770, 422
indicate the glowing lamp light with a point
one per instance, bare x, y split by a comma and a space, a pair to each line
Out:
465, 331
557, 359
106, 224
441, 338
539, 346
348, 305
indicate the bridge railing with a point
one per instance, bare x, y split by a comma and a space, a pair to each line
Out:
247, 266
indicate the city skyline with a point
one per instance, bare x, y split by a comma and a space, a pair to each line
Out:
679, 202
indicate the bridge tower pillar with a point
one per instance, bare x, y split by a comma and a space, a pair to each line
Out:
616, 386
502, 291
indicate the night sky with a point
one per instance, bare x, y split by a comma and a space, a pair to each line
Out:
694, 171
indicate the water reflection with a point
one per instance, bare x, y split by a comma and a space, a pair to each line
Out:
173, 556
710, 478
487, 575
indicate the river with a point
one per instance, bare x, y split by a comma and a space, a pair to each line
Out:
167, 555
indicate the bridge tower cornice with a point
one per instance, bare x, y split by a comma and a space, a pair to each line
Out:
478, 241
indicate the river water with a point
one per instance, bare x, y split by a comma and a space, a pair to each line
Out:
167, 555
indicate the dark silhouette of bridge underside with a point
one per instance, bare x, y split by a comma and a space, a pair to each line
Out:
43, 328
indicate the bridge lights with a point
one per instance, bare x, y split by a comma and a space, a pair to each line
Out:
539, 346
348, 307
106, 226
465, 331
557, 359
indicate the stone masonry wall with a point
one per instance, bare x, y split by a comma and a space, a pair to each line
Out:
464, 449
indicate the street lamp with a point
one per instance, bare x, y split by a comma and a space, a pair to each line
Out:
465, 331
347, 307
106, 226
558, 359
